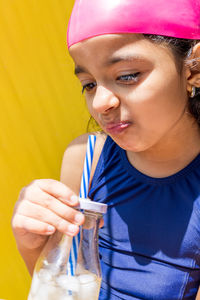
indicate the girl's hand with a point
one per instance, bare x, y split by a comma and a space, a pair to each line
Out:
44, 206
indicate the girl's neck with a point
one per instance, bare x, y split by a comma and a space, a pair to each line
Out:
170, 155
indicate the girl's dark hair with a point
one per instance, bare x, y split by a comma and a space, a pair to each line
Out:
181, 48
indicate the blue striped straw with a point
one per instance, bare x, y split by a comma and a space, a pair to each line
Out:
83, 194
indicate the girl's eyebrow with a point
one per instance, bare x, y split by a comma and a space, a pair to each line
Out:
79, 70
113, 60
124, 57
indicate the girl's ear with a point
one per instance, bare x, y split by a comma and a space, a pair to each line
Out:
193, 70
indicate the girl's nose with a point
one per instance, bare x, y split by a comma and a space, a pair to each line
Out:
104, 100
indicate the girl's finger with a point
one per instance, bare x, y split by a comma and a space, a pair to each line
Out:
59, 208
101, 224
37, 212
58, 190
24, 224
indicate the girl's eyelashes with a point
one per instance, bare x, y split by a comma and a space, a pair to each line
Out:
126, 79
129, 78
88, 87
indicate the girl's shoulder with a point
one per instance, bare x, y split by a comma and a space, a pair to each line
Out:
74, 156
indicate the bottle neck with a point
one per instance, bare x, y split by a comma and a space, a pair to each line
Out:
89, 254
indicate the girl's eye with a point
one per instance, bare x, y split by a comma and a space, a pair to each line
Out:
129, 77
88, 87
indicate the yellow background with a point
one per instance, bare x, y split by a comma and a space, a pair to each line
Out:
41, 111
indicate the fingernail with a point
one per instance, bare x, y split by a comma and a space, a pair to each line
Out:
50, 228
72, 228
74, 199
79, 218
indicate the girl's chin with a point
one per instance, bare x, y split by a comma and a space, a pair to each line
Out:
125, 144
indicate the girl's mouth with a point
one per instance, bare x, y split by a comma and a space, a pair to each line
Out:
117, 127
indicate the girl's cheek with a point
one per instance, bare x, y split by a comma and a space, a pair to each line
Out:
91, 110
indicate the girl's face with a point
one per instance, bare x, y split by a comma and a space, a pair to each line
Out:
133, 89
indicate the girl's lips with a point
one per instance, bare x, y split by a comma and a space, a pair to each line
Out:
116, 128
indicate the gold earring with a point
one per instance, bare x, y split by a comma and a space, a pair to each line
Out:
193, 92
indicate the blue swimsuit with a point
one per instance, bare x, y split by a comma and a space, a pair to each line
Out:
150, 243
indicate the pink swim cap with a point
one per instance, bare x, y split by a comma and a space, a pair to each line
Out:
175, 18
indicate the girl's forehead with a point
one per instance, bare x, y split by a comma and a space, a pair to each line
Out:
112, 46
108, 44
112, 41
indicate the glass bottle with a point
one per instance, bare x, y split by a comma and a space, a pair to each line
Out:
69, 268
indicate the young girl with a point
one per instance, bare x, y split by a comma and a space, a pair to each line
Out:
139, 65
